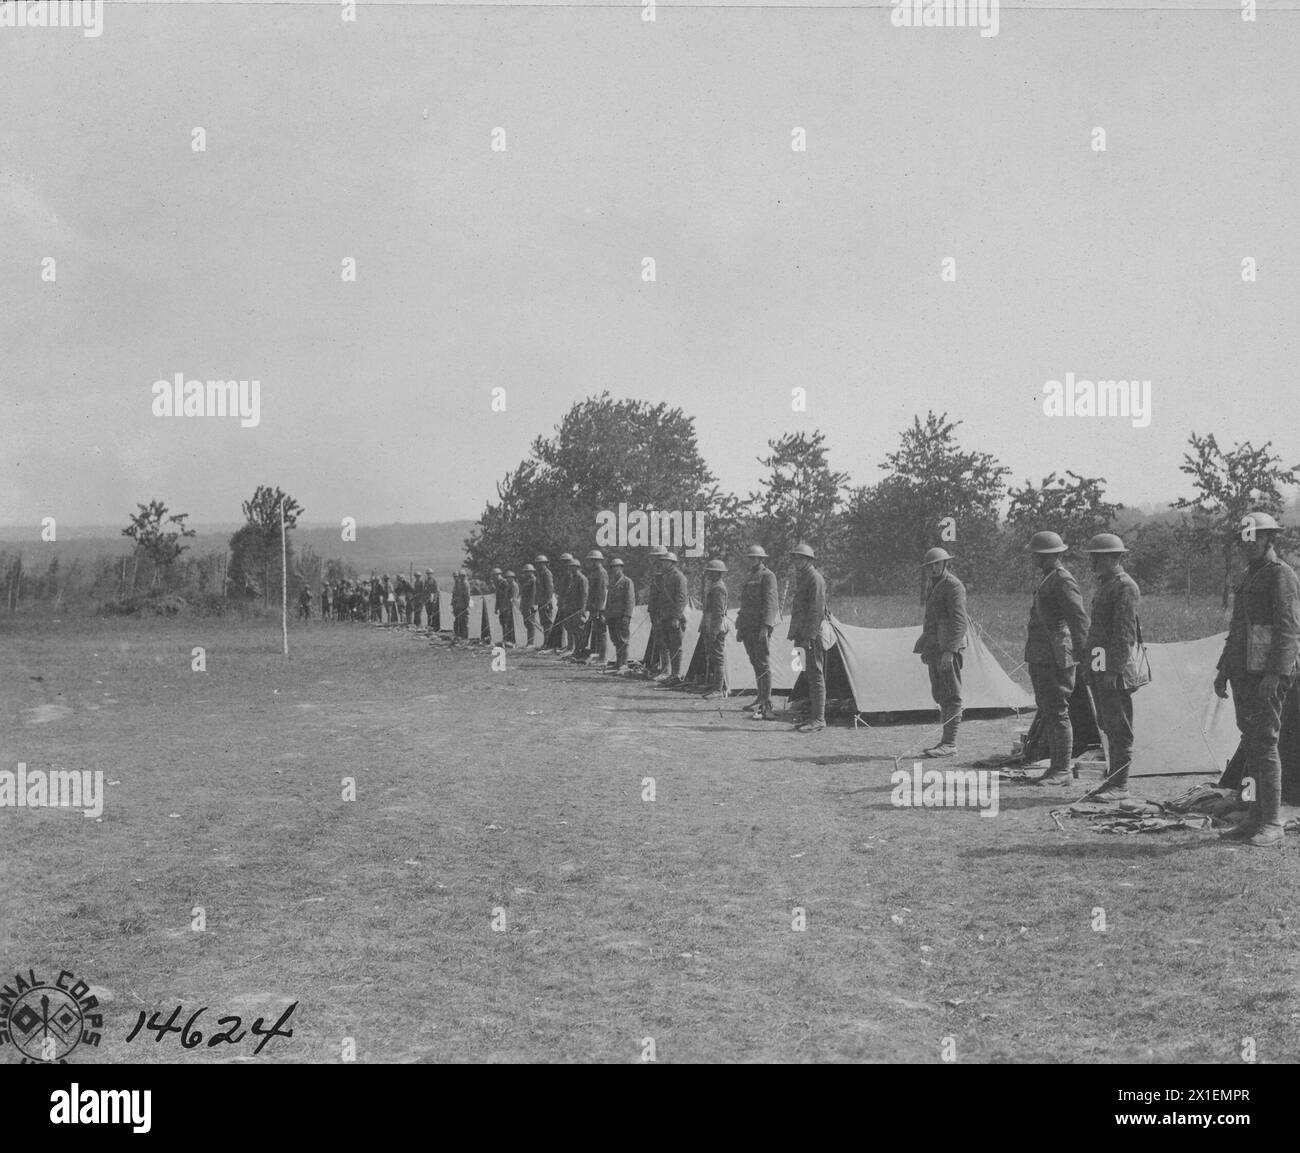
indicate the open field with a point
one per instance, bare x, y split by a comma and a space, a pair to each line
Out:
624, 918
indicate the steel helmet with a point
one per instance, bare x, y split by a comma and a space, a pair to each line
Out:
618, 560
936, 554
1046, 542
802, 549
528, 568
495, 569
755, 550
658, 550
670, 557
1105, 542
595, 554
573, 560
566, 557
510, 573
540, 558
715, 566
1261, 521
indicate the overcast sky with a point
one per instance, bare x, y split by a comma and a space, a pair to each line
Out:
625, 140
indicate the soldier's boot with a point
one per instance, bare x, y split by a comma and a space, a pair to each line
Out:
1115, 786
947, 746
1060, 741
1269, 807
1244, 829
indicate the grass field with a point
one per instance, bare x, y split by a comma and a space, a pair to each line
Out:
518, 796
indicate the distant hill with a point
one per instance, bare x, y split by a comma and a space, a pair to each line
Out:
385, 548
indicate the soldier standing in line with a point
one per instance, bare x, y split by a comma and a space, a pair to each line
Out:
575, 609
376, 600
807, 611
304, 603
597, 595
459, 607
1108, 665
759, 611
1058, 627
507, 602
672, 617
400, 589
563, 577
941, 644
655, 665
325, 601
433, 606
390, 601
713, 628
544, 595
618, 612
528, 604
1259, 661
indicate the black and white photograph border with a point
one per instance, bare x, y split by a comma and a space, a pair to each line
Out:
650, 533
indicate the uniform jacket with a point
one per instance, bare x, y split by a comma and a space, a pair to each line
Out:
1058, 622
460, 595
759, 604
808, 606
431, 589
622, 597
598, 590
654, 592
944, 630
577, 593
715, 608
545, 585
1269, 595
506, 597
672, 596
527, 593
1114, 627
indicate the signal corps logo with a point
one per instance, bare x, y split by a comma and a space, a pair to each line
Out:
46, 1022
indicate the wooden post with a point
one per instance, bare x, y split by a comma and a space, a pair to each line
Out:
284, 579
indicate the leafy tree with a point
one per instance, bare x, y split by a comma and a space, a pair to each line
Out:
1072, 505
1230, 484
934, 490
158, 535
801, 497
255, 547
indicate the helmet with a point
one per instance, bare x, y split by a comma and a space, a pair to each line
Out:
528, 568
658, 550
1105, 542
427, 571
1046, 542
595, 554
1261, 521
617, 561
936, 554
715, 566
510, 573
573, 560
670, 557
755, 550
540, 558
802, 549
495, 569
566, 557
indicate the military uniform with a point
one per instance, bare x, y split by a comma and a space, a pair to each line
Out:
944, 631
597, 594
1263, 638
1113, 631
1058, 627
618, 614
658, 655
528, 606
432, 602
574, 608
760, 609
807, 611
460, 608
506, 600
671, 614
304, 604
713, 626
544, 592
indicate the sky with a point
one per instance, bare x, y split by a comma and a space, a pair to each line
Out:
522, 269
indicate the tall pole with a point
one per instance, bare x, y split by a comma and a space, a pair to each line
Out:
284, 579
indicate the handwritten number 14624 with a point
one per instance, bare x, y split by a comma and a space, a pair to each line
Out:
191, 1037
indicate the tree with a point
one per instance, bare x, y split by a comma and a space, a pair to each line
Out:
1072, 505
935, 494
603, 452
255, 547
158, 535
800, 498
1229, 485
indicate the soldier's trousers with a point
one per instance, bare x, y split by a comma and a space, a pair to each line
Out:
433, 610
572, 633
530, 624
507, 620
758, 644
1259, 720
670, 634
596, 644
715, 657
460, 624
620, 629
814, 665
548, 635
1115, 718
1052, 688
656, 653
